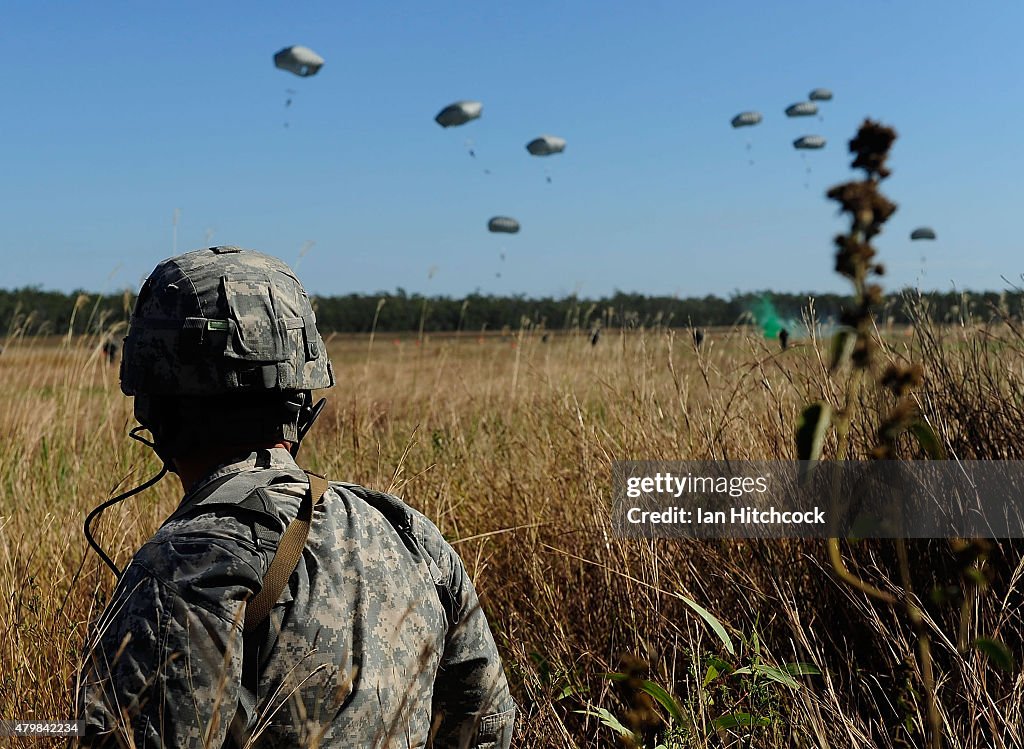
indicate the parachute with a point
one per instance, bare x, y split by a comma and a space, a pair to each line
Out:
746, 119
820, 94
459, 113
503, 225
546, 145
809, 142
300, 60
802, 109
924, 232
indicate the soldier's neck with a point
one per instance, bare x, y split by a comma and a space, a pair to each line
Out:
193, 468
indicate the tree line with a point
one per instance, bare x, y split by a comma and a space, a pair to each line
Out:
32, 311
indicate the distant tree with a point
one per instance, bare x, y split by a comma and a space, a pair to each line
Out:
38, 311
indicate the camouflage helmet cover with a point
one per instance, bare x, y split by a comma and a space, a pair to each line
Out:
223, 320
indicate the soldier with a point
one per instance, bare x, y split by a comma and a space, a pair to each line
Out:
272, 608
784, 339
109, 351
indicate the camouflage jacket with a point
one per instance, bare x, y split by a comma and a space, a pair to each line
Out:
377, 641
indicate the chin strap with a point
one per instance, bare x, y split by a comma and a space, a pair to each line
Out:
131, 493
307, 415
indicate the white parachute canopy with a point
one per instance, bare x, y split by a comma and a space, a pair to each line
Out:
809, 142
923, 232
459, 113
746, 119
802, 109
299, 60
820, 94
503, 225
546, 145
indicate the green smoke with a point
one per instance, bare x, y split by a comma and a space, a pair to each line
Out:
767, 317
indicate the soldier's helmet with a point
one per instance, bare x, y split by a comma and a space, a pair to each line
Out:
223, 320
222, 346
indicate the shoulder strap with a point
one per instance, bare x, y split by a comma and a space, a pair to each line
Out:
246, 484
286, 558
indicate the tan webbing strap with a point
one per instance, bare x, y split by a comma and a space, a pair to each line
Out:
286, 558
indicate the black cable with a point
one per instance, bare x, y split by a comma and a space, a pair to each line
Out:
95, 513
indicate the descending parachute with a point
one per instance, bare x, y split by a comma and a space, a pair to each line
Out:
924, 232
809, 142
299, 60
820, 94
746, 119
503, 225
802, 109
302, 61
546, 145
459, 113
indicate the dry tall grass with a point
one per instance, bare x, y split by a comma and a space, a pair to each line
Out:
506, 442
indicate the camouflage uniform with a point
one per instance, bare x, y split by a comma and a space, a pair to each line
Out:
378, 640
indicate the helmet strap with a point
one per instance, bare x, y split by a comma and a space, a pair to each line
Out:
308, 413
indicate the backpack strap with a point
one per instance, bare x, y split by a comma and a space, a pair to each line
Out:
287, 556
247, 485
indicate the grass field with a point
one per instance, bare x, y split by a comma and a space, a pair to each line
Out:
506, 442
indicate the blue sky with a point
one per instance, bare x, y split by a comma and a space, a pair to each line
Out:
117, 114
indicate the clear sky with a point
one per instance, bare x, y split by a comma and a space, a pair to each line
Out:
117, 115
